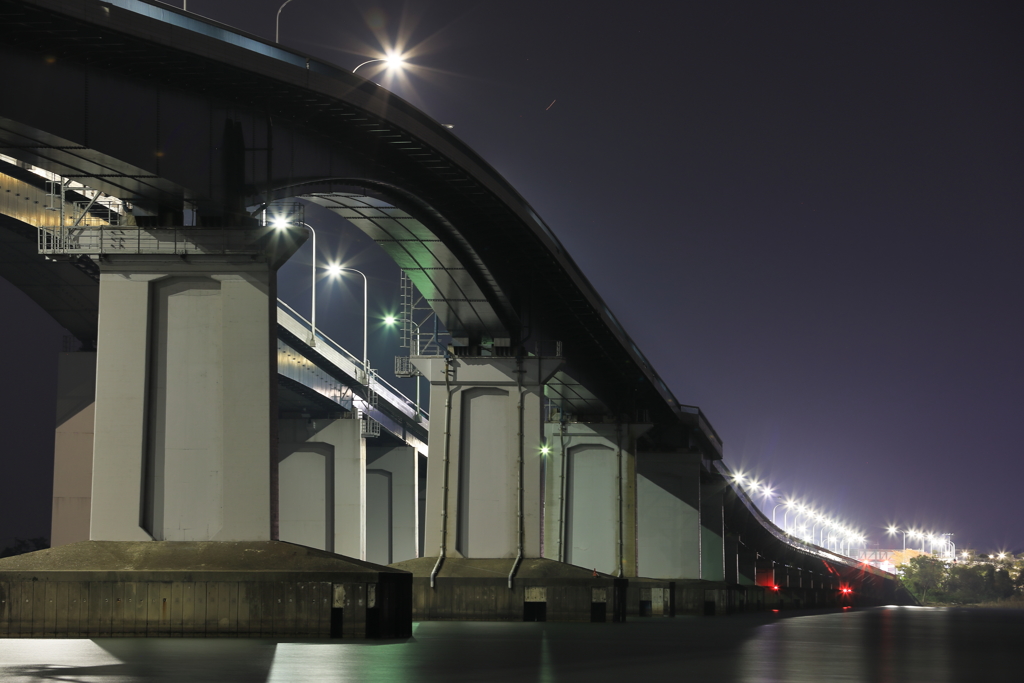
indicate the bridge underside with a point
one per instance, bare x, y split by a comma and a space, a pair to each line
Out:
219, 122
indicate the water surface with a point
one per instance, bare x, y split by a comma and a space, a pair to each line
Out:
894, 644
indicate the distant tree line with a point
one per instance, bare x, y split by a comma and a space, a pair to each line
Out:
933, 581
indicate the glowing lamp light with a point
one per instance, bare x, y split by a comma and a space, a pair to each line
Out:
545, 450
390, 320
391, 61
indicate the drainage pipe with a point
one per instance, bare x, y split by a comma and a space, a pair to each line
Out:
444, 469
562, 490
519, 474
618, 443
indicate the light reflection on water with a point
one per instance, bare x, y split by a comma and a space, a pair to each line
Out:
882, 646
888, 645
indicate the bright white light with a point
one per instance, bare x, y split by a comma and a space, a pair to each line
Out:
278, 223
394, 61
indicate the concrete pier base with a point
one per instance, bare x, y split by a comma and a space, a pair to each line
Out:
197, 589
543, 590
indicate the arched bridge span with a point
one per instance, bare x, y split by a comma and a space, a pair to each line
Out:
168, 111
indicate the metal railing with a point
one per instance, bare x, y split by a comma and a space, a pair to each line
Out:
114, 239
337, 354
368, 427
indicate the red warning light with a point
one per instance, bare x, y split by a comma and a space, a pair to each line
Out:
775, 588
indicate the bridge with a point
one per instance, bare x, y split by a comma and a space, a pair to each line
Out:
563, 479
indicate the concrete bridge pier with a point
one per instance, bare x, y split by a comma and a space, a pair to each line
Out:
590, 495
484, 471
184, 462
341, 494
72, 451
392, 503
669, 515
185, 409
322, 473
712, 531
484, 513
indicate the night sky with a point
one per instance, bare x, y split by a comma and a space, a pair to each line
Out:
808, 216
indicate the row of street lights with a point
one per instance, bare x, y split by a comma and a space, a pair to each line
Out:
838, 535
334, 270
832, 534
944, 541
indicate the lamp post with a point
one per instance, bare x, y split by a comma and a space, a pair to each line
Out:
277, 21
335, 269
393, 61
818, 519
800, 508
785, 518
785, 502
893, 530
280, 224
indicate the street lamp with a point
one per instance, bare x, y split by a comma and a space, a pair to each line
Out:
393, 61
280, 224
893, 530
277, 21
785, 517
787, 503
335, 269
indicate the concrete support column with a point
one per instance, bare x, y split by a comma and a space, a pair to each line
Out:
72, 448
323, 484
349, 486
747, 570
712, 531
185, 416
484, 468
391, 504
732, 560
590, 499
668, 515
